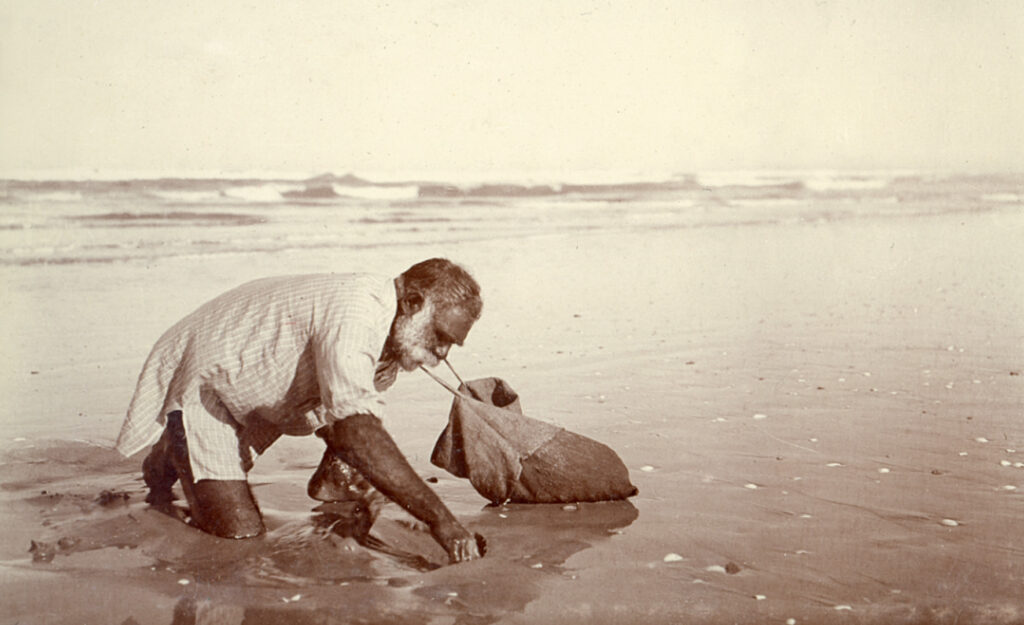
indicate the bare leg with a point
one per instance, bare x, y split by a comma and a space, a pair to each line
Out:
159, 473
224, 508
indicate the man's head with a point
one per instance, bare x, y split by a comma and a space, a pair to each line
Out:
438, 303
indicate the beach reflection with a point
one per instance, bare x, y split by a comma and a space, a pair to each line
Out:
528, 547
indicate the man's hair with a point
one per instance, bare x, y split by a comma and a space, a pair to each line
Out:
445, 283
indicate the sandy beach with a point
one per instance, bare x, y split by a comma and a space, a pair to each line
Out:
823, 419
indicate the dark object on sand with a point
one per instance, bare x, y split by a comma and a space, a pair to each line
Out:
109, 498
509, 457
42, 552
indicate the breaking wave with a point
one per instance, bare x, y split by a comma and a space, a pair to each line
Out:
90, 221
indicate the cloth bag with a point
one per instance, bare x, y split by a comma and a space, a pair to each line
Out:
509, 457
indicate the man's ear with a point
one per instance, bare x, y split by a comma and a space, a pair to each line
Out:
411, 303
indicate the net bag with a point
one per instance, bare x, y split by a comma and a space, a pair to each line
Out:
510, 457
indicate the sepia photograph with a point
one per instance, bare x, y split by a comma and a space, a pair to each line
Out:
454, 313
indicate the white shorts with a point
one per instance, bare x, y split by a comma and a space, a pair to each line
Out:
220, 448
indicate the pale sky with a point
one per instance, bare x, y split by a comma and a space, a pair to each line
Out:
525, 86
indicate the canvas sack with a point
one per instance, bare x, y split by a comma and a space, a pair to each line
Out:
510, 457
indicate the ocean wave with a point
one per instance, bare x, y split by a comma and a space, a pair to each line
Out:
185, 196
266, 192
1010, 198
767, 201
314, 192
57, 196
847, 183
329, 188
321, 192
431, 190
752, 179
375, 192
403, 218
128, 220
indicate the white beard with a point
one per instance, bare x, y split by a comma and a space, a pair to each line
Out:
413, 339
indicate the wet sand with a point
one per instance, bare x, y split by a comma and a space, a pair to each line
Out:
823, 420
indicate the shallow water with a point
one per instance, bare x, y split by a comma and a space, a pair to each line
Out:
90, 524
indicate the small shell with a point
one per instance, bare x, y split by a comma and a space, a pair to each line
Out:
673, 557
949, 522
759, 416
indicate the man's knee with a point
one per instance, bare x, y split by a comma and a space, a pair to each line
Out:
226, 508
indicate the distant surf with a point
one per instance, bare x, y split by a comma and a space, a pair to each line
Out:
46, 221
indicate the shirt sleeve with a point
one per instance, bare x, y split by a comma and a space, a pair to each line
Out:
346, 352
345, 375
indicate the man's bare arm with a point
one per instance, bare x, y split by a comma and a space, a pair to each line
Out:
362, 441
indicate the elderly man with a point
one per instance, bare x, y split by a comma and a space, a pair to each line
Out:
296, 355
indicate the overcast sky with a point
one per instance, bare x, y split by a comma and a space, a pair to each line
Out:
315, 86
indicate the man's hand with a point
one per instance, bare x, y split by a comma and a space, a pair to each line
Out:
361, 441
458, 542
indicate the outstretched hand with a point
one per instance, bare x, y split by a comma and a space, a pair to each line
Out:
463, 550
361, 441
460, 544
